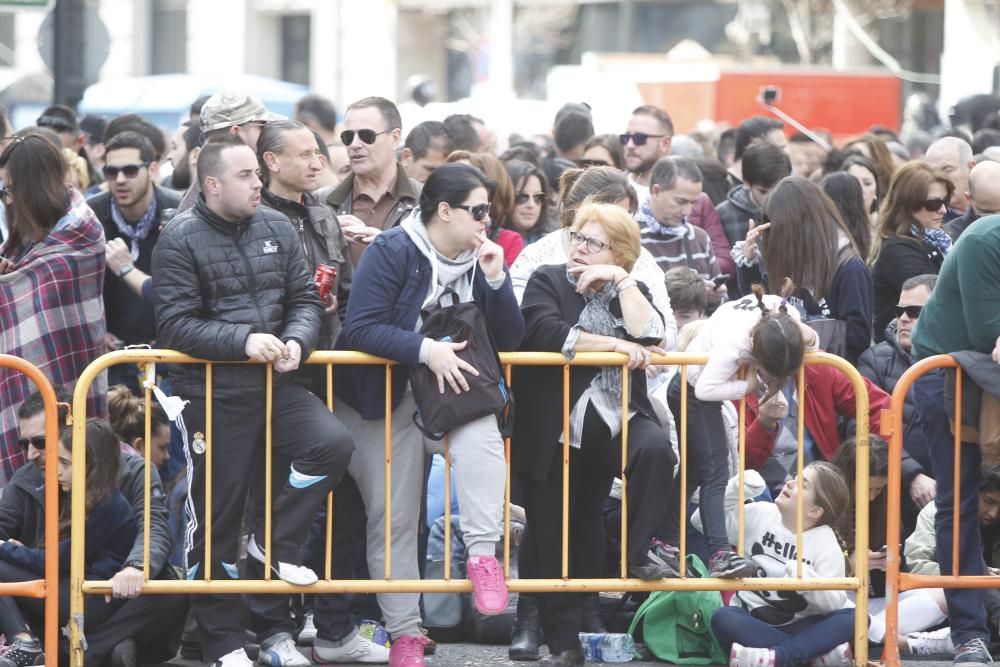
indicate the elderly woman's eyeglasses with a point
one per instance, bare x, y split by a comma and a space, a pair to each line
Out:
593, 245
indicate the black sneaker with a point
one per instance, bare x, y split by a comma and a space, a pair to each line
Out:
662, 561
22, 653
730, 565
973, 652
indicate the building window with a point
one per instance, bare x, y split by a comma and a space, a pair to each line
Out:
8, 57
296, 44
168, 36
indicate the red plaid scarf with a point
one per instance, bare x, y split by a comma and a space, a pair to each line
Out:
52, 315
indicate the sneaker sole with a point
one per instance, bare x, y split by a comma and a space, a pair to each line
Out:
738, 573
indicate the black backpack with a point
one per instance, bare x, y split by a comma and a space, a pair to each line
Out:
488, 393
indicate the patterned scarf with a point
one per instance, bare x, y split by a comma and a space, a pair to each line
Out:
936, 237
141, 229
596, 318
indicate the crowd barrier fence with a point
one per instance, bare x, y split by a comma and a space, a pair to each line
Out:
858, 584
47, 588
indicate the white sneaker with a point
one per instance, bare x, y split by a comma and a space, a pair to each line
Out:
237, 658
838, 657
748, 656
298, 575
282, 653
359, 649
937, 642
307, 635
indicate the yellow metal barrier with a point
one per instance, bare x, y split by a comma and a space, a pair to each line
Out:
858, 584
47, 588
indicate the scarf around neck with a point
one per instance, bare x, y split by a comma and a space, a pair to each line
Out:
137, 233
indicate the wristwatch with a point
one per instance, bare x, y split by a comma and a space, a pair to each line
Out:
122, 272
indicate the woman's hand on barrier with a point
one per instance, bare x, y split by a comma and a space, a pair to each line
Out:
447, 365
596, 276
290, 360
127, 584
753, 234
490, 258
638, 356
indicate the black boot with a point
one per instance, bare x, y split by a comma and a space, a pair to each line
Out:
590, 615
526, 636
572, 657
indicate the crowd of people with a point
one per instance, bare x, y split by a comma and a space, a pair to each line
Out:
253, 237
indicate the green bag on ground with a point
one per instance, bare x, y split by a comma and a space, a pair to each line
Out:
676, 626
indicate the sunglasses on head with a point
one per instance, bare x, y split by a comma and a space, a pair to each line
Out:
478, 212
638, 138
913, 312
523, 197
55, 123
934, 204
38, 442
130, 170
366, 136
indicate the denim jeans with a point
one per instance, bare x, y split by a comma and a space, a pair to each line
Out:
966, 613
794, 644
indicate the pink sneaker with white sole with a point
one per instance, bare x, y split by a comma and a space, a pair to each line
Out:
407, 651
489, 585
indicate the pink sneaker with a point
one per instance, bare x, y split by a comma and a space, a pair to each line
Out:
407, 651
487, 580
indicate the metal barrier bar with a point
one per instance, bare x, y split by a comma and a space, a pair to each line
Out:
623, 552
683, 445
800, 465
47, 588
268, 469
209, 439
858, 584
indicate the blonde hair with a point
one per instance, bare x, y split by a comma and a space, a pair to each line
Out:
622, 231
76, 169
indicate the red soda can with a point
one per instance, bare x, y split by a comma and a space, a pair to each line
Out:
325, 277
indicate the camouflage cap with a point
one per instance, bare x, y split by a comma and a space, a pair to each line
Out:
229, 108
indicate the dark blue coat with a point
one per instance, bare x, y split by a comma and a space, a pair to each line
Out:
391, 282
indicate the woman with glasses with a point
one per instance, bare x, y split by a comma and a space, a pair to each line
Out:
440, 249
591, 303
51, 283
530, 217
909, 240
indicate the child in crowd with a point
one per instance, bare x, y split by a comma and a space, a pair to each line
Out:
111, 530
788, 628
758, 334
127, 413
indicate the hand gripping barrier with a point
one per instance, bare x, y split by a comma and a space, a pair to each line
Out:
858, 583
47, 588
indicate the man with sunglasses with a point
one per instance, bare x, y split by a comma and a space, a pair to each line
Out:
378, 195
131, 212
984, 197
647, 139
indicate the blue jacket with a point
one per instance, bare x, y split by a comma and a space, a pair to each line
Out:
390, 285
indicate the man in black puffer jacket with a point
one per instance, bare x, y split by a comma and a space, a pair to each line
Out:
230, 284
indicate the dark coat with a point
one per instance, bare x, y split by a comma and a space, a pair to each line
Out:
392, 282
216, 282
898, 260
551, 308
129, 316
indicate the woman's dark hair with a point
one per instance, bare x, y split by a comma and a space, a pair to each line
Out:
36, 171
272, 139
519, 173
776, 344
907, 193
450, 183
855, 160
874, 149
878, 466
595, 185
524, 151
803, 244
103, 467
845, 191
127, 413
612, 145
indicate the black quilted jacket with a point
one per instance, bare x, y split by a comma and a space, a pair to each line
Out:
216, 282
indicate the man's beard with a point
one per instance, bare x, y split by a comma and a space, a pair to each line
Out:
644, 166
181, 178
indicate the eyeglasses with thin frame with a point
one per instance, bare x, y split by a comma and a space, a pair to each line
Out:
366, 136
523, 197
478, 212
913, 312
38, 442
593, 245
130, 170
934, 204
638, 138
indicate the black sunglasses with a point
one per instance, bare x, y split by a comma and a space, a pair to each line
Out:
38, 442
130, 170
638, 138
523, 197
913, 312
367, 136
934, 204
478, 212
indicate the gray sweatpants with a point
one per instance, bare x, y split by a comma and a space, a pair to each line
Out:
477, 457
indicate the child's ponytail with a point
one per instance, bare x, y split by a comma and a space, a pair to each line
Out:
776, 344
